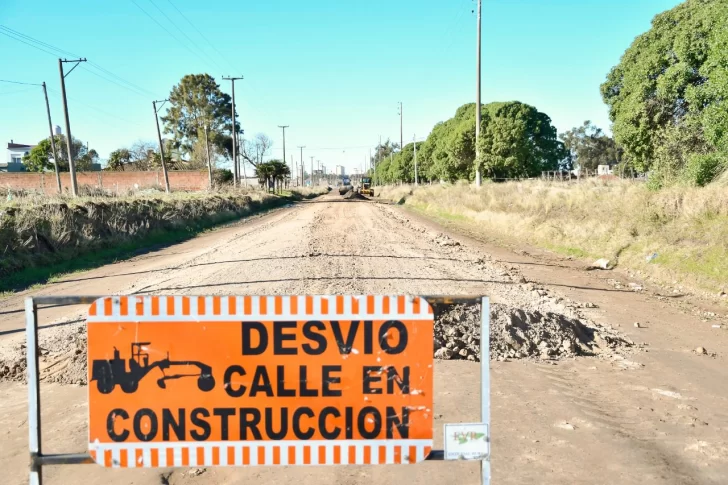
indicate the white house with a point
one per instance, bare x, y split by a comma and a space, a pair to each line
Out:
604, 170
14, 161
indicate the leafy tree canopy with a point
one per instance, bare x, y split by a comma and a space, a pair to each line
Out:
668, 96
588, 147
40, 157
197, 102
517, 141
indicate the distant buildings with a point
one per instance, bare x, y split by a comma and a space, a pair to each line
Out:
340, 170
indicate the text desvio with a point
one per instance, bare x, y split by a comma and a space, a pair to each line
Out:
314, 337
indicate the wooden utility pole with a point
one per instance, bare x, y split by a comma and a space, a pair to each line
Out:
161, 145
69, 138
478, 175
53, 141
234, 132
209, 162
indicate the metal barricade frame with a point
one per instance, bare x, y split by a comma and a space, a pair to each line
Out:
38, 459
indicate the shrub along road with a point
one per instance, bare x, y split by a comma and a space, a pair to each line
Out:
645, 417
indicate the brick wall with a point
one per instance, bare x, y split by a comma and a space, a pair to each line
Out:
118, 182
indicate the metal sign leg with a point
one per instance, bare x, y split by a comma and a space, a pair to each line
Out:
36, 471
485, 382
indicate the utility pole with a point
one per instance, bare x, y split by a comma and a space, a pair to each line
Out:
234, 132
284, 142
414, 140
161, 145
209, 163
478, 175
401, 139
53, 141
69, 139
303, 172
312, 171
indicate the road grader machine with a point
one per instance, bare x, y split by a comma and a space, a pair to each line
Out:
365, 187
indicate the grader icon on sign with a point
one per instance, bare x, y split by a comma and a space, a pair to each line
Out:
109, 373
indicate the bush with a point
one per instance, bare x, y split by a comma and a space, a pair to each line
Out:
222, 176
703, 169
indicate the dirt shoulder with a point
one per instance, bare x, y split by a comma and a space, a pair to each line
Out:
649, 416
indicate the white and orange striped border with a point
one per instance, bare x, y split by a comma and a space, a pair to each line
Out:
260, 453
255, 308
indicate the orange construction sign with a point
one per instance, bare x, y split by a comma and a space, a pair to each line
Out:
178, 381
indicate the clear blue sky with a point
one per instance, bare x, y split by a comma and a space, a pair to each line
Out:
332, 70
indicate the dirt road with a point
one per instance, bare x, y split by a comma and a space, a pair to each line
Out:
659, 415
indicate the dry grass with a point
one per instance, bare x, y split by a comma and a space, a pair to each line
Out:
621, 220
38, 232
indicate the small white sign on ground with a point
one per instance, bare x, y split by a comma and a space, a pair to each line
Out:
467, 441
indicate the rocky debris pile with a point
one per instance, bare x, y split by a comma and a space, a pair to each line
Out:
63, 356
520, 334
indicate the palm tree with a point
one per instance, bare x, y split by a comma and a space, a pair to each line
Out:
265, 172
281, 171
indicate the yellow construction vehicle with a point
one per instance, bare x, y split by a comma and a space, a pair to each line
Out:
365, 188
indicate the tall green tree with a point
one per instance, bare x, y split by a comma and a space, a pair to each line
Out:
668, 96
588, 147
518, 141
40, 157
194, 103
119, 159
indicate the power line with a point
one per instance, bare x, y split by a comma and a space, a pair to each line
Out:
28, 43
129, 83
76, 100
167, 30
202, 35
135, 91
182, 31
35, 43
18, 82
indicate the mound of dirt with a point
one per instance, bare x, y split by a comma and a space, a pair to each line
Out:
514, 334
519, 334
63, 357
